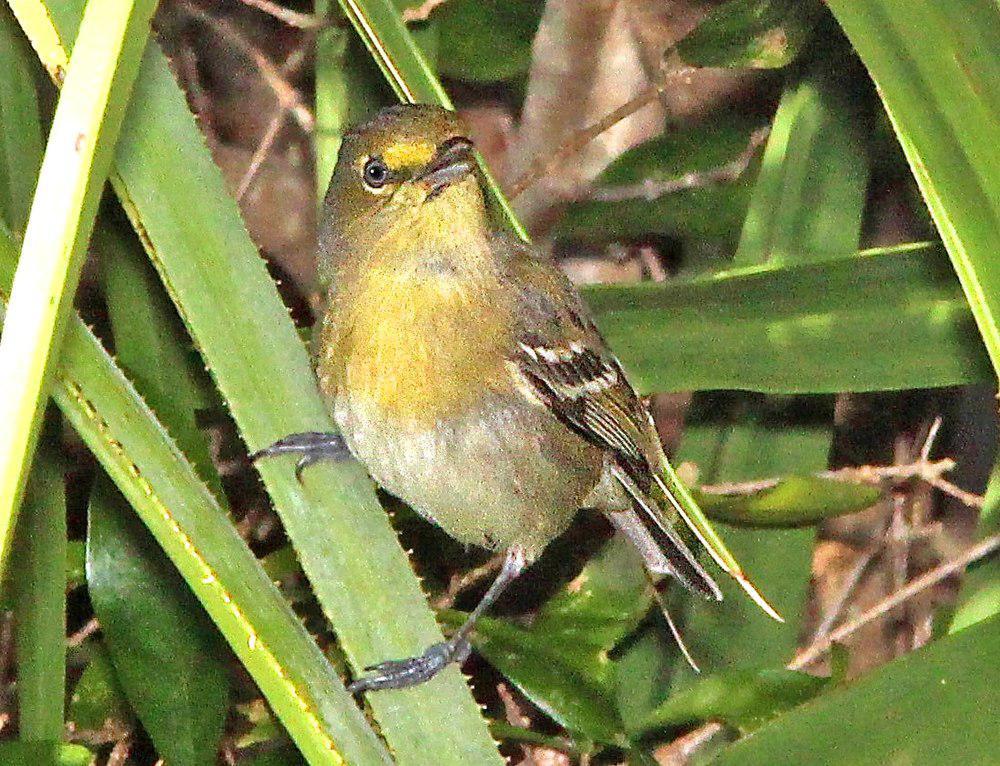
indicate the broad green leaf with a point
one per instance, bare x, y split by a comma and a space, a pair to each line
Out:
935, 705
98, 696
714, 212
21, 138
793, 501
40, 602
877, 320
77, 158
166, 653
761, 34
486, 41
733, 634
195, 532
744, 699
937, 71
16, 753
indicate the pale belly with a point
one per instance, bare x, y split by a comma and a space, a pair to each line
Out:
512, 476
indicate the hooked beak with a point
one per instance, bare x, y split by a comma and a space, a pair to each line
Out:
453, 162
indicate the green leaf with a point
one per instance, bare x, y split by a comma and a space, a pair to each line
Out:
152, 347
877, 320
77, 158
732, 634
979, 598
937, 72
810, 195
21, 138
166, 654
935, 705
486, 41
714, 212
744, 699
793, 501
98, 696
40, 604
761, 34
14, 753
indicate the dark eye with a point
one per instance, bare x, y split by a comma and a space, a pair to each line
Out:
375, 173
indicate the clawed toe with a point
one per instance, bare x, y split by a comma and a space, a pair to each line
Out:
398, 674
312, 446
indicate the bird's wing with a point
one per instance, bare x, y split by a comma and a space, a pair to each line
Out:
566, 365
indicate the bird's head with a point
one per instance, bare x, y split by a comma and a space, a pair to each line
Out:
405, 182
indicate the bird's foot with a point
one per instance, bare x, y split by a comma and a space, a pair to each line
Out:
312, 446
398, 674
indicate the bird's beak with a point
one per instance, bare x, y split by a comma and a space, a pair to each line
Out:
453, 162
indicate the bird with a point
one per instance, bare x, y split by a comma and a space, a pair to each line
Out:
464, 371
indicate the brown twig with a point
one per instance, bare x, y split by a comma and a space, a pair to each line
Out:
292, 63
89, 628
287, 15
421, 12
929, 471
461, 582
932, 577
544, 165
683, 749
651, 189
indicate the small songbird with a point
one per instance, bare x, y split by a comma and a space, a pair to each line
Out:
464, 371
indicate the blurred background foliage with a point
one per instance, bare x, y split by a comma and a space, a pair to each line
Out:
796, 266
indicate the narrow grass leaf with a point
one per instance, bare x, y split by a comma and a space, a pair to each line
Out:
77, 158
21, 138
40, 603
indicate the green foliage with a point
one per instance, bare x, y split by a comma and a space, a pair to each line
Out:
767, 291
916, 708
166, 655
760, 34
501, 29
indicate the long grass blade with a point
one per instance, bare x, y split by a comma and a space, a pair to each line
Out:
77, 157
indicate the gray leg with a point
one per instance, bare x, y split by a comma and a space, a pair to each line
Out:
398, 674
313, 446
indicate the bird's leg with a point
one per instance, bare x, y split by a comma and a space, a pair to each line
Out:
313, 446
397, 674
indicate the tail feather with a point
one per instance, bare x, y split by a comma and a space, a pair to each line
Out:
675, 558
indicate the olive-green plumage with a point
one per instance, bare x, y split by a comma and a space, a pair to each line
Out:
447, 349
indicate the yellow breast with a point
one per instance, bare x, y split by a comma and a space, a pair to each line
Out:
418, 345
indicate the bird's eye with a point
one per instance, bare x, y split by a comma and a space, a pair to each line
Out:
375, 173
